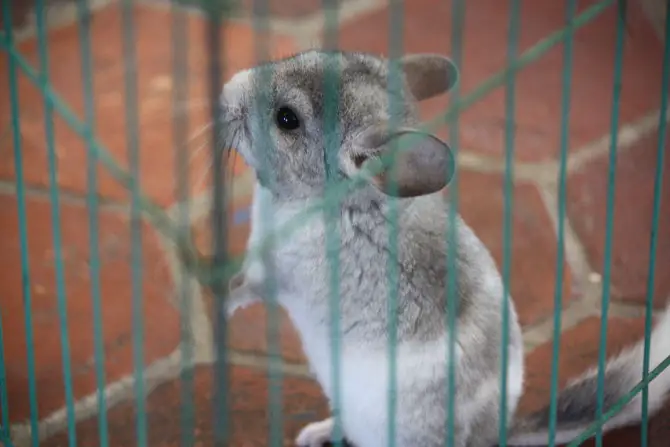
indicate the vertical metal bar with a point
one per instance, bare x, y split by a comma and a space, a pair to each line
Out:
4, 406
562, 181
215, 57
653, 239
84, 19
262, 28
457, 28
332, 134
133, 147
395, 113
54, 194
23, 229
180, 124
510, 105
611, 188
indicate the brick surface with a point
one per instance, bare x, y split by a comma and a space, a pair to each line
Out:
155, 91
579, 350
426, 28
160, 319
249, 397
634, 196
533, 257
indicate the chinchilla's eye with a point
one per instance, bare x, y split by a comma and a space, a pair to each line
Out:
286, 119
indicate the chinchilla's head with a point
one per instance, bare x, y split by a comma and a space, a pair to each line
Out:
319, 116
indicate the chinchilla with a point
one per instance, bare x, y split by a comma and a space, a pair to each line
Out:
275, 116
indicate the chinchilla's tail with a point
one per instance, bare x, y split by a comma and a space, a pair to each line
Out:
577, 403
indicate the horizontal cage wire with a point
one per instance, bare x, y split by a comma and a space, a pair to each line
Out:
320, 198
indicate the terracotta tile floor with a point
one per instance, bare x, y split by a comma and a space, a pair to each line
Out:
480, 196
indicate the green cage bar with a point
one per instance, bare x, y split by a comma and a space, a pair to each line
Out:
23, 231
262, 32
84, 28
54, 199
508, 193
396, 35
566, 82
611, 184
4, 405
180, 122
331, 128
653, 239
457, 31
219, 228
133, 150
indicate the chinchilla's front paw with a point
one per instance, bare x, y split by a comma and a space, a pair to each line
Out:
240, 294
236, 281
316, 434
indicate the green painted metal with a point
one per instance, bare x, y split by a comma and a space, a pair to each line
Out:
611, 188
83, 16
508, 193
133, 145
223, 266
8, 42
261, 25
4, 405
54, 198
560, 242
331, 128
396, 35
457, 26
180, 134
653, 239
215, 66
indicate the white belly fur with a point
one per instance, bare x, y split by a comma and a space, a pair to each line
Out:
365, 378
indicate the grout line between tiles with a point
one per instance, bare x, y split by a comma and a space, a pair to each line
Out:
542, 332
86, 407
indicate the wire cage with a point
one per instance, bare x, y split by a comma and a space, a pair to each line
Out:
89, 155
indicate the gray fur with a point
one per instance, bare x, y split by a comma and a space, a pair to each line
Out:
291, 169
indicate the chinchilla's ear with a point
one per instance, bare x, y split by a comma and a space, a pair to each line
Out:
428, 75
425, 167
